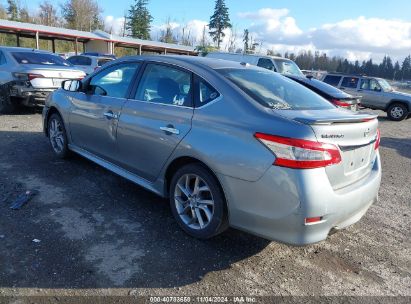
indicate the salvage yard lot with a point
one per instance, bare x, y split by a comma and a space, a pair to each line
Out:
100, 234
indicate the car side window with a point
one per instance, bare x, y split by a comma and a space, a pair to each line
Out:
165, 85
206, 93
2, 58
114, 81
266, 64
332, 80
374, 85
350, 82
365, 84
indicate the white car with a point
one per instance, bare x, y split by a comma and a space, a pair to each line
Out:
88, 63
27, 76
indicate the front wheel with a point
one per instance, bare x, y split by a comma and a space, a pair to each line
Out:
197, 202
58, 136
397, 112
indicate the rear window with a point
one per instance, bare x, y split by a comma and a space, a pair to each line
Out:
275, 91
332, 80
39, 58
80, 60
102, 62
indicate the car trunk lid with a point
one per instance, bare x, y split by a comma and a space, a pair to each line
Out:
41, 78
355, 134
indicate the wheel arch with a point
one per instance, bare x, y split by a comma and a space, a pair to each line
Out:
51, 111
401, 101
178, 163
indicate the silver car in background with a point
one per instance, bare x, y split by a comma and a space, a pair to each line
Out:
88, 64
32, 75
228, 144
375, 93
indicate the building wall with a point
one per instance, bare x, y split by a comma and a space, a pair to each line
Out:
98, 46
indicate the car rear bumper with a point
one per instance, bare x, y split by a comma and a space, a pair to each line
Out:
276, 206
31, 96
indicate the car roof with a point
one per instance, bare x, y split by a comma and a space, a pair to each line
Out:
187, 61
322, 86
20, 49
351, 75
251, 55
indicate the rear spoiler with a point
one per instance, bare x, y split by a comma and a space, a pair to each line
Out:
328, 121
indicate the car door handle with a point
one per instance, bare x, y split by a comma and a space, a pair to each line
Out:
110, 115
170, 130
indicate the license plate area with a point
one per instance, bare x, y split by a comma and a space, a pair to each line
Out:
57, 82
356, 159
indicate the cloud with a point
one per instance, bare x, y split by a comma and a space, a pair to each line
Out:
356, 39
114, 25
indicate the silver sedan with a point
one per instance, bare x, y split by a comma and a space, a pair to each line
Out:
228, 144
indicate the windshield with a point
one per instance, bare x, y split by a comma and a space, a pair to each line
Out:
288, 67
386, 87
275, 91
40, 59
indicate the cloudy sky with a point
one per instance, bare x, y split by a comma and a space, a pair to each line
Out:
351, 28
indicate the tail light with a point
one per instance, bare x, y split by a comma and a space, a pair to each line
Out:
340, 103
34, 76
300, 153
27, 76
378, 140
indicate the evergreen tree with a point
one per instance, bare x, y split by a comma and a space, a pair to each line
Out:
406, 68
12, 10
139, 20
219, 21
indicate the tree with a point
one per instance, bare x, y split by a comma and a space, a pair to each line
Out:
12, 10
246, 40
3, 12
139, 20
24, 15
167, 35
219, 21
48, 14
83, 15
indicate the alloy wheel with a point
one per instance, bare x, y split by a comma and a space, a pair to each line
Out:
194, 201
56, 134
397, 112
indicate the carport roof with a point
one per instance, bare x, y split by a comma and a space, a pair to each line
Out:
58, 32
47, 30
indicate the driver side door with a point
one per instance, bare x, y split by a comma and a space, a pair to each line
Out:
95, 110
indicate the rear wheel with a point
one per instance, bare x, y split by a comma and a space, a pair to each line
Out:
58, 136
7, 105
397, 111
197, 202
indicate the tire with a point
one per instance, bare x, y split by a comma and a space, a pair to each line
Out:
6, 104
397, 111
189, 205
57, 136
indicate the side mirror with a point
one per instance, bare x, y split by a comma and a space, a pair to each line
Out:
71, 85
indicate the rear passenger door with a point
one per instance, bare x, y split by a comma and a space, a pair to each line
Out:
155, 119
372, 94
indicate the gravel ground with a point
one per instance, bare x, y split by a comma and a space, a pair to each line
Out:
101, 235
